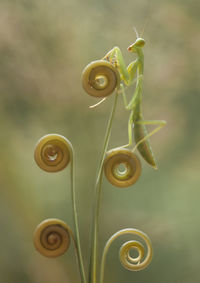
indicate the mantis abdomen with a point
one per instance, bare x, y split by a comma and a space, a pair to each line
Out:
144, 148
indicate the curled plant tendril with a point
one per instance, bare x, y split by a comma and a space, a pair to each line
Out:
122, 167
52, 237
100, 78
53, 153
127, 260
125, 256
140, 262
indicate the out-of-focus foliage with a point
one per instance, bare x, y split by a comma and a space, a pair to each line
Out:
44, 45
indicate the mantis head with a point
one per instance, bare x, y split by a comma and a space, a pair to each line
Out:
139, 43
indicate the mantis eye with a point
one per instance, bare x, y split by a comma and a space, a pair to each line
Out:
140, 42
122, 167
100, 78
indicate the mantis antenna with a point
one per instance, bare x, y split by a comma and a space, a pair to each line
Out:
135, 30
144, 26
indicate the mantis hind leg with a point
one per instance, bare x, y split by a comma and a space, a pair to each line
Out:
160, 123
130, 134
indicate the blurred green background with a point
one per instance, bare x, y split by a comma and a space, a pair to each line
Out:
44, 46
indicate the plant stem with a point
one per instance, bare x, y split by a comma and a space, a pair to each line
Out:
94, 230
77, 237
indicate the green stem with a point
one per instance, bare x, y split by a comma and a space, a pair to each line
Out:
94, 231
77, 237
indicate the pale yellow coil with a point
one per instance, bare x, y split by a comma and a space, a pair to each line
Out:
140, 260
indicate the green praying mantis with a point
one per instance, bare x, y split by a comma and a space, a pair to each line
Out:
97, 78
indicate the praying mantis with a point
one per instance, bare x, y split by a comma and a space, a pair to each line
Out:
100, 78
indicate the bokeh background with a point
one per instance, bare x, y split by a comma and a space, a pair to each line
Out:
44, 46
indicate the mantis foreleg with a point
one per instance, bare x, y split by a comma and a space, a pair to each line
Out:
122, 89
132, 102
115, 57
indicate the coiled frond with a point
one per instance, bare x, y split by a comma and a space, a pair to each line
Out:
52, 237
122, 167
141, 261
100, 78
53, 153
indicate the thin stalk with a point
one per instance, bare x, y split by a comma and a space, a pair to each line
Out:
77, 237
94, 230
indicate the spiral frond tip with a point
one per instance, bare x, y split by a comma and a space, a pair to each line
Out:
122, 167
100, 78
52, 237
53, 153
